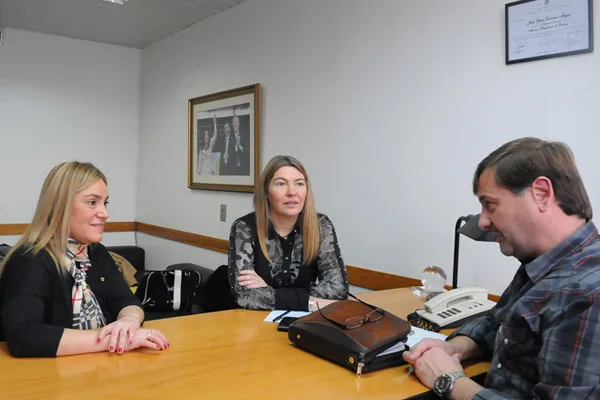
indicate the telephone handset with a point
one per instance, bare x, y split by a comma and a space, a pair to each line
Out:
453, 308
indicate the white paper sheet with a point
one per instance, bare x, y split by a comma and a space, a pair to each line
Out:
394, 349
414, 336
276, 313
417, 334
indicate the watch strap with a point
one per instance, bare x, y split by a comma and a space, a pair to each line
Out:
457, 374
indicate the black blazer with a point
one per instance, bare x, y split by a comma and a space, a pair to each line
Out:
243, 159
35, 302
225, 169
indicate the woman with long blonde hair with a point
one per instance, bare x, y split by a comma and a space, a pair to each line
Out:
285, 255
62, 293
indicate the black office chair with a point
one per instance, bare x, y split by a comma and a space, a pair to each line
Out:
216, 294
135, 255
4, 249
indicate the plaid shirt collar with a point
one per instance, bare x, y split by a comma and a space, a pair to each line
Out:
547, 262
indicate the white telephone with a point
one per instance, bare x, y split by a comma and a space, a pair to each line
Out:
452, 308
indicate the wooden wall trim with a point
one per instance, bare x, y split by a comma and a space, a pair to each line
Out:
13, 229
378, 280
19, 229
129, 226
358, 276
193, 239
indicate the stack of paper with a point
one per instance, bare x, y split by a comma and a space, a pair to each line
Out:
414, 336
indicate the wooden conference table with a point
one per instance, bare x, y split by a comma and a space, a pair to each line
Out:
224, 355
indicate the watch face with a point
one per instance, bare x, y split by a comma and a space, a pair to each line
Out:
442, 384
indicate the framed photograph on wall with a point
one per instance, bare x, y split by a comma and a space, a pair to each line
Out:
539, 29
224, 140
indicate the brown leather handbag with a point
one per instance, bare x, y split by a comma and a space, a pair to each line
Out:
352, 334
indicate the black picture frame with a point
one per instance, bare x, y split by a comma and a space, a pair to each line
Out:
546, 37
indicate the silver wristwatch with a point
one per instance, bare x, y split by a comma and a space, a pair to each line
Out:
445, 383
311, 304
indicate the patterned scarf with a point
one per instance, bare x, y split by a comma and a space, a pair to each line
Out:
87, 313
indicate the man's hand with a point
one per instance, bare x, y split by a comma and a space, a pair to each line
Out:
425, 345
433, 363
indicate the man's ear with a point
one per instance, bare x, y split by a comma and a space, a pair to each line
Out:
542, 191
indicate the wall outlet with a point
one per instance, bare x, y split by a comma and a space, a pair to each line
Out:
223, 213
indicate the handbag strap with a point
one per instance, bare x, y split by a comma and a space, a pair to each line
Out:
177, 290
145, 300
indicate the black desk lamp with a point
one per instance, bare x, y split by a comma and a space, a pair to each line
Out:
471, 230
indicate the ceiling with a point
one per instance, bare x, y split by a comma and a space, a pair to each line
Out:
137, 23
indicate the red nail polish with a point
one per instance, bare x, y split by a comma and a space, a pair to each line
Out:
120, 350
111, 348
130, 341
99, 340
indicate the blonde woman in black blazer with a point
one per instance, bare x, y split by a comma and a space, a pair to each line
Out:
61, 292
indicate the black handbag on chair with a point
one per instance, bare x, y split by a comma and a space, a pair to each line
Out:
169, 290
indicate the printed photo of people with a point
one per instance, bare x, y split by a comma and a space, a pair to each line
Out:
224, 141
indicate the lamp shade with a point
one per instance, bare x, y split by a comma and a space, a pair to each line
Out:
471, 230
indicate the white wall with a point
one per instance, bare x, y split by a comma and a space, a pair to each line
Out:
390, 105
63, 99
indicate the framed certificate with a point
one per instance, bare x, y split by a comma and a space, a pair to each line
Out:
539, 29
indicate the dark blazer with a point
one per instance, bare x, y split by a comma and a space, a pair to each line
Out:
35, 302
241, 160
225, 169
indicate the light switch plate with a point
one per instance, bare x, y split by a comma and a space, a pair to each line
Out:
223, 213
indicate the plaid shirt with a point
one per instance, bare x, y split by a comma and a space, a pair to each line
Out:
544, 333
